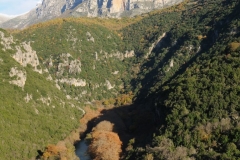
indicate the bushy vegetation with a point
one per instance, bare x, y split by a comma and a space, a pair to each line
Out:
50, 115
105, 144
98, 50
28, 126
191, 83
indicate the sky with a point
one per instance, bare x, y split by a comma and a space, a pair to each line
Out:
17, 7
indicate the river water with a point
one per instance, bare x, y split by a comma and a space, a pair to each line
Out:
81, 150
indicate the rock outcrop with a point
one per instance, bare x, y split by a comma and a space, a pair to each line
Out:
28, 98
67, 65
27, 56
108, 85
156, 44
24, 53
6, 41
19, 76
73, 81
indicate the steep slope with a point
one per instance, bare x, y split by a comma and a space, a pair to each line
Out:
47, 72
21, 21
190, 81
50, 9
145, 40
119, 8
86, 61
34, 112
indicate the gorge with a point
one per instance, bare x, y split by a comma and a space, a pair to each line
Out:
160, 85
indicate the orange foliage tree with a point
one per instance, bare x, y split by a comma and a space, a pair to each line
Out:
105, 144
54, 151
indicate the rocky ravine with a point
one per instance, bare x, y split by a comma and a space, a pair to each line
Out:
50, 9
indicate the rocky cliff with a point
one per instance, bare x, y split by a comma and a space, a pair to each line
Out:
119, 8
50, 9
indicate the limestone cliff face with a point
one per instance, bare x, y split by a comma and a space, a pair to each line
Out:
20, 77
50, 9
118, 8
24, 54
54, 8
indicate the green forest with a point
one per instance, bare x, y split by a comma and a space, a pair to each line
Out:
191, 82
180, 65
29, 125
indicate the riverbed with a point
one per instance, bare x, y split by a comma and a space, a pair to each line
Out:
81, 150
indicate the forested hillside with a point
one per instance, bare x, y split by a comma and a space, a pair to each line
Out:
190, 81
34, 113
86, 60
49, 71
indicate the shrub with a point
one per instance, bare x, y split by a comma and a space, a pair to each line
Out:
105, 143
233, 46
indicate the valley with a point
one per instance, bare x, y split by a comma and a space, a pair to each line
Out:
160, 85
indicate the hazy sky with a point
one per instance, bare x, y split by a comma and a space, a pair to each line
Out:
16, 7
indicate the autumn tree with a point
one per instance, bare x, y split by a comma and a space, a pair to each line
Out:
105, 144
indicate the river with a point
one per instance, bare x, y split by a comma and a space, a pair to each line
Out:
81, 150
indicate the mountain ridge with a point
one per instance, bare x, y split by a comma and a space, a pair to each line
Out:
4, 18
50, 9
